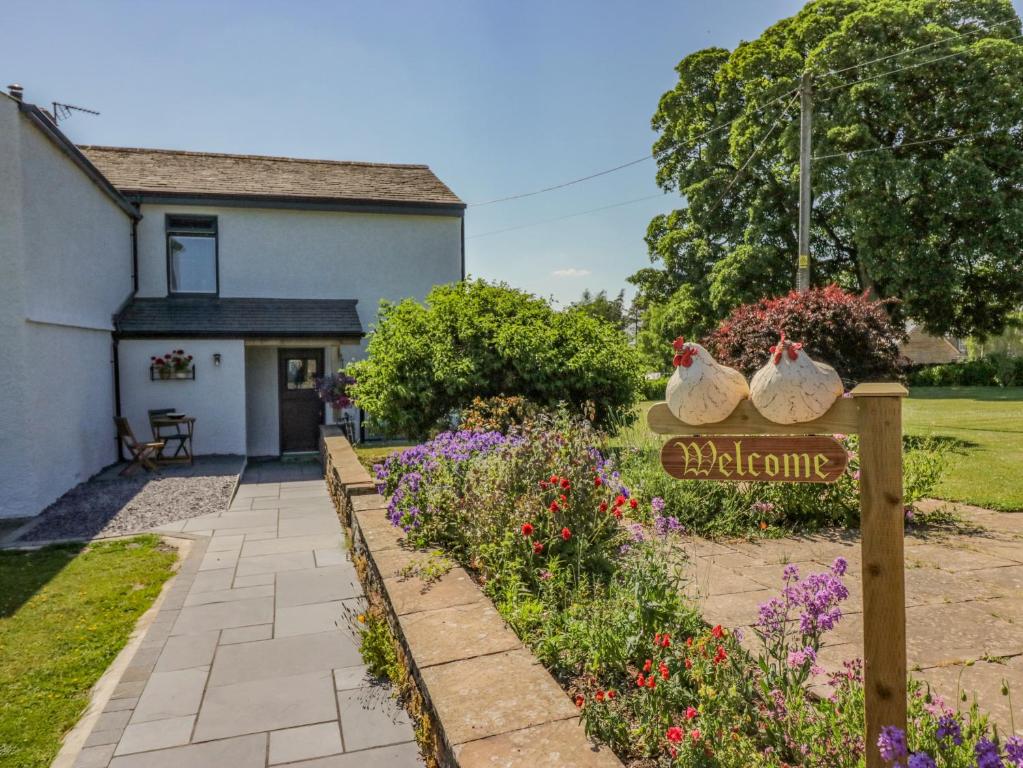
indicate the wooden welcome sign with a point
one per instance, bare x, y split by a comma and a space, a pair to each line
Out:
755, 459
746, 447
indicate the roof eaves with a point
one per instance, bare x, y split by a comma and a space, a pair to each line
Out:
382, 205
45, 124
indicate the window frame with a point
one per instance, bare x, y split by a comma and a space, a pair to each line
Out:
213, 231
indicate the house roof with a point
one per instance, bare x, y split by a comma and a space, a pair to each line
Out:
175, 173
215, 317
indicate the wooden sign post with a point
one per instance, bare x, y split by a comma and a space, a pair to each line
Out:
746, 447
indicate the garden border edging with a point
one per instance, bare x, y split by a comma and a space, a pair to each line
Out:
489, 700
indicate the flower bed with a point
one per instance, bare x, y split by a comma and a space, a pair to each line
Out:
586, 571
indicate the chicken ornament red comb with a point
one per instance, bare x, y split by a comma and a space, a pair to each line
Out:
701, 391
683, 352
801, 390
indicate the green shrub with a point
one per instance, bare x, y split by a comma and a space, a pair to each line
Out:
496, 414
473, 339
995, 370
653, 389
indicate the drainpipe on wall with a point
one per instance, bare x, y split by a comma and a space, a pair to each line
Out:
117, 394
134, 256
115, 350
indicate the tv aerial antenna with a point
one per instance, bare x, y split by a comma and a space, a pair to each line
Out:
64, 111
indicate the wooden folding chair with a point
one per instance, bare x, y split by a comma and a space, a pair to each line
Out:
143, 455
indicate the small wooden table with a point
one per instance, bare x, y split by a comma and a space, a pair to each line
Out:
183, 454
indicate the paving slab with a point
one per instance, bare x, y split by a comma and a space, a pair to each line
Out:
282, 657
171, 695
305, 742
245, 752
317, 585
370, 717
266, 704
145, 737
198, 619
399, 756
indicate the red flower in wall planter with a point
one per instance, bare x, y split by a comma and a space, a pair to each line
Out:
176, 364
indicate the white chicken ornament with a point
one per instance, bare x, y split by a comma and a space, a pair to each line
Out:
701, 391
791, 387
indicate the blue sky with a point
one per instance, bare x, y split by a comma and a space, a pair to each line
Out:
499, 98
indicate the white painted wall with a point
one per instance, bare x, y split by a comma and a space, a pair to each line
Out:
216, 397
315, 254
65, 269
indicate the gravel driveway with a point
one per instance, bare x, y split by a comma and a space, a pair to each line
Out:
110, 505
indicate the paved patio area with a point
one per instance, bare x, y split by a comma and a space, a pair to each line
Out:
250, 661
964, 597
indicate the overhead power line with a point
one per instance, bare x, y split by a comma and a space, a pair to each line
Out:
569, 216
628, 164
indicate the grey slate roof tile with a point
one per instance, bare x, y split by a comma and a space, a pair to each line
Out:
199, 317
179, 173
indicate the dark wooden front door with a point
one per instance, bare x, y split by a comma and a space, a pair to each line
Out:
301, 409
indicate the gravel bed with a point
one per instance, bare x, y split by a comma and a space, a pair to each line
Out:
114, 506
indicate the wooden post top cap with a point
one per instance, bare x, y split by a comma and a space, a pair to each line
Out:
880, 389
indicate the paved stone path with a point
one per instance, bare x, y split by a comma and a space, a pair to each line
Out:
964, 598
250, 661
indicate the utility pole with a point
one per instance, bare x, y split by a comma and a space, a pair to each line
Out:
805, 199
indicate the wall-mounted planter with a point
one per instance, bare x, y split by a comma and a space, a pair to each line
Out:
161, 373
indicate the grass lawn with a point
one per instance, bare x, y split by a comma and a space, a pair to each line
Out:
374, 453
983, 427
65, 613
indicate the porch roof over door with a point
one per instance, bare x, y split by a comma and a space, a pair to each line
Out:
239, 318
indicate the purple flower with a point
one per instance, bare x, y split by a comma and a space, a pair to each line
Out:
948, 728
1014, 750
665, 526
790, 573
892, 743
838, 567
657, 504
636, 531
800, 657
920, 760
987, 755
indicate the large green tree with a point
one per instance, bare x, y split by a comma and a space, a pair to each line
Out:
476, 339
936, 224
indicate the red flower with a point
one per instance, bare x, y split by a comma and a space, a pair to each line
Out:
663, 669
603, 506
718, 632
640, 681
618, 513
657, 638
691, 713
543, 483
537, 548
647, 665
689, 663
599, 696
619, 500
689, 642
563, 498
565, 483
612, 693
566, 534
554, 506
580, 700
633, 503
554, 479
665, 640
527, 530
675, 734
597, 482
720, 655
694, 735
651, 682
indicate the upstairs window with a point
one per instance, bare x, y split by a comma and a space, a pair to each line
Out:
192, 254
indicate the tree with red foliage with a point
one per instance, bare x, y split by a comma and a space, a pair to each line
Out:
845, 330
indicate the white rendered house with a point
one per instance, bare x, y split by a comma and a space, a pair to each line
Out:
267, 271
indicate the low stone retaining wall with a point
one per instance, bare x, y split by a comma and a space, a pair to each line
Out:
491, 703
